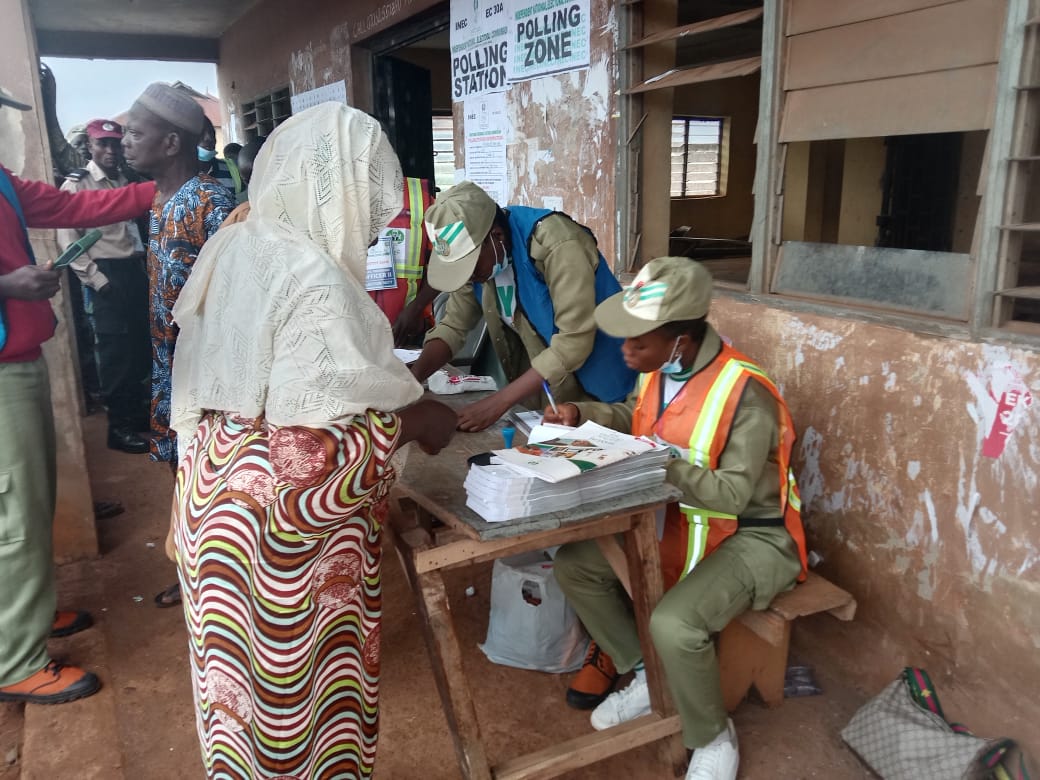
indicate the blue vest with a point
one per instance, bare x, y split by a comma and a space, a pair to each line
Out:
603, 375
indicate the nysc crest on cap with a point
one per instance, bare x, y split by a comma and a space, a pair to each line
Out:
457, 225
667, 289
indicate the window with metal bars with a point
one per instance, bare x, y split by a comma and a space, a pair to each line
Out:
443, 151
698, 151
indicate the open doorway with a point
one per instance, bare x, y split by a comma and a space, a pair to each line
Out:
411, 94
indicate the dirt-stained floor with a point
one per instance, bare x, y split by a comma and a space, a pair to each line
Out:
142, 725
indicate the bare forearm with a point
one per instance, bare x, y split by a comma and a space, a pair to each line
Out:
434, 355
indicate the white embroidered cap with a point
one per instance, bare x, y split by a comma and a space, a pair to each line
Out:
667, 289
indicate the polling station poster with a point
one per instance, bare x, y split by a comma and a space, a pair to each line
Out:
479, 41
548, 36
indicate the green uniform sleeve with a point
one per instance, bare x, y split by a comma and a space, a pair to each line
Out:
566, 255
461, 315
742, 484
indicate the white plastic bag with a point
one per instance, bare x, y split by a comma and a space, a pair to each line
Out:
443, 383
531, 625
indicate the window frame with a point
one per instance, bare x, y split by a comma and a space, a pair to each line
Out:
722, 166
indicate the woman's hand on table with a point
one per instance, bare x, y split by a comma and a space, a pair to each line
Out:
568, 415
484, 413
430, 424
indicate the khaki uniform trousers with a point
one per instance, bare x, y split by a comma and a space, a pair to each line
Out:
745, 572
27, 489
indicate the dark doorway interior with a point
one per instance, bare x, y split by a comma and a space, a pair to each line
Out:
411, 81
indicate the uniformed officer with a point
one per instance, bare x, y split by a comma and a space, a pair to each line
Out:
115, 286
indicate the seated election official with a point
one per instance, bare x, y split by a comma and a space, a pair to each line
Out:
735, 538
535, 276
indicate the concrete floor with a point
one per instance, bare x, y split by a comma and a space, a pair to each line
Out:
141, 725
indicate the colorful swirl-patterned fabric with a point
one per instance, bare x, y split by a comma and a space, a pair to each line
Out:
278, 542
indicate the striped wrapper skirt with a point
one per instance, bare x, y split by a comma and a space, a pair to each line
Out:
278, 534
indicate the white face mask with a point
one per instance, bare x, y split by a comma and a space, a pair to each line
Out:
502, 263
672, 365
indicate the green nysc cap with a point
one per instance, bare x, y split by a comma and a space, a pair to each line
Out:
457, 225
667, 289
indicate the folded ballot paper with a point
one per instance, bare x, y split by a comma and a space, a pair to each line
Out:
561, 468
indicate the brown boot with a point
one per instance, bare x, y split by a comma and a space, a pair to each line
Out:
67, 623
594, 681
53, 684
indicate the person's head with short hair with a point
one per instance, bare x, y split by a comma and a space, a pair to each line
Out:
105, 142
162, 130
661, 315
207, 150
470, 236
247, 155
231, 150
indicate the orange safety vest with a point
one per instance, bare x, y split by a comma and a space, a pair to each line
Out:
702, 414
407, 228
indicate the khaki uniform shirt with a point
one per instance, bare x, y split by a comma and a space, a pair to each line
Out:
745, 482
122, 239
566, 255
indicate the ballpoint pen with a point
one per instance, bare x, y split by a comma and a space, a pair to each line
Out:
549, 395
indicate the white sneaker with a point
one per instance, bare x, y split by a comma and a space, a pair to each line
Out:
627, 704
718, 759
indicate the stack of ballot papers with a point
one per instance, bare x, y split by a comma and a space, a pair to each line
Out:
561, 468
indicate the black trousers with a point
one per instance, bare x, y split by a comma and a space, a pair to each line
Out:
122, 343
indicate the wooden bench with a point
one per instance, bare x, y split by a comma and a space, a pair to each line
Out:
753, 648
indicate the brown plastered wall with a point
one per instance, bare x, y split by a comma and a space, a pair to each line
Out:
303, 44
736, 100
24, 151
939, 543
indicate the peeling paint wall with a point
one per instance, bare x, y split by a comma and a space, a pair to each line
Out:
564, 143
564, 137
918, 462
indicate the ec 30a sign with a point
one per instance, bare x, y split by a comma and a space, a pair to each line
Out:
479, 47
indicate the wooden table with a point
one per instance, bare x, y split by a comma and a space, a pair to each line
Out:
431, 488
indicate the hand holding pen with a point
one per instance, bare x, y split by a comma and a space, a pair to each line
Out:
562, 414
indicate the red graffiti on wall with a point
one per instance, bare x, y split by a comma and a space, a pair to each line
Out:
1013, 398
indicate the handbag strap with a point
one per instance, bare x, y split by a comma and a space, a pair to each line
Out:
922, 691
997, 758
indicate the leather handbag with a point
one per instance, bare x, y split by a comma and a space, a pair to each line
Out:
902, 734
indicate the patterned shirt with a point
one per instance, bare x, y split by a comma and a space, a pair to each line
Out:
177, 229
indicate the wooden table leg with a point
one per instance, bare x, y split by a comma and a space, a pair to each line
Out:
446, 660
647, 587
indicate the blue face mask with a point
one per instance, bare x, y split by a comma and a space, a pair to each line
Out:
206, 155
672, 365
500, 264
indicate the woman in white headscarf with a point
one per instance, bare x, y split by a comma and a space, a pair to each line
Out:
288, 403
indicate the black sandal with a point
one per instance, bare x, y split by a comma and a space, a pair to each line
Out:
170, 597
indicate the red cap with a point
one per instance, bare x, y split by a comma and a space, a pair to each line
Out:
104, 128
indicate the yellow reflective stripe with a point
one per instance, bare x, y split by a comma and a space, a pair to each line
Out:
411, 271
711, 412
696, 537
793, 498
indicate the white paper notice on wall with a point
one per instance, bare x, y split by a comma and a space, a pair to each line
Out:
485, 128
550, 36
554, 202
330, 93
479, 42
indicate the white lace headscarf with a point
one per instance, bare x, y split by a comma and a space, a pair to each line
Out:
274, 318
